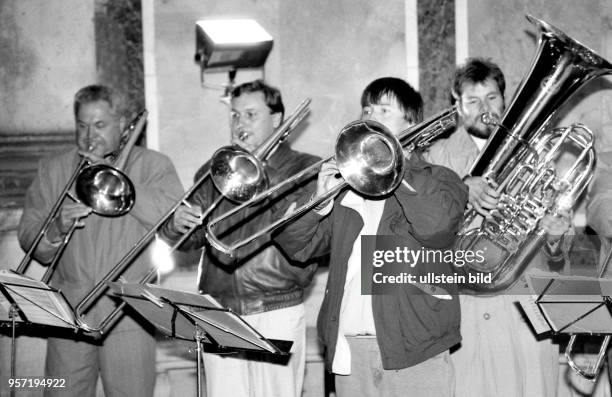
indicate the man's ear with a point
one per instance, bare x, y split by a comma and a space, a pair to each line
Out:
122, 125
456, 96
457, 99
276, 119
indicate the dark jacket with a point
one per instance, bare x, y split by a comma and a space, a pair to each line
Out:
410, 327
258, 277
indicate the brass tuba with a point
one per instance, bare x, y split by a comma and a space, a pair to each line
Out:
519, 158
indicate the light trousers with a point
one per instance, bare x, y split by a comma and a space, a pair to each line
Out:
248, 375
499, 354
431, 378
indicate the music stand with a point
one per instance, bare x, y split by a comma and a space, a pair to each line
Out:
198, 318
571, 304
28, 301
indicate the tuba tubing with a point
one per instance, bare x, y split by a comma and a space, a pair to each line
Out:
560, 67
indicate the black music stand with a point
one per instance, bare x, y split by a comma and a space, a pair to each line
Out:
31, 302
198, 318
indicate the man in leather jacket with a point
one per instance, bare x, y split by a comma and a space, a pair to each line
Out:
257, 282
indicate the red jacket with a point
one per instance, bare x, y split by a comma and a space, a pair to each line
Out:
410, 327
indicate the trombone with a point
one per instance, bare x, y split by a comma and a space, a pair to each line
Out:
592, 371
102, 187
236, 173
369, 158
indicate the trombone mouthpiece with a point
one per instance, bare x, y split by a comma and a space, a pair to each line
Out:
243, 135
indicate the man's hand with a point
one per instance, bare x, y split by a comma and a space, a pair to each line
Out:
329, 177
186, 218
482, 196
555, 226
68, 214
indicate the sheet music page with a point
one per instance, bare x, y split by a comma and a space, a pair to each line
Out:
229, 323
8, 276
572, 304
40, 303
5, 307
224, 327
566, 288
231, 320
539, 323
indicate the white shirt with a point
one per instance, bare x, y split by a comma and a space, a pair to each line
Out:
480, 142
356, 317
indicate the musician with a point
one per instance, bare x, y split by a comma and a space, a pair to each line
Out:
499, 355
125, 358
395, 344
258, 282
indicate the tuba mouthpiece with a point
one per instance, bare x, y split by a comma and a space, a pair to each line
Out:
489, 118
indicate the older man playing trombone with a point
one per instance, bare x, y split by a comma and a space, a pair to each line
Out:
125, 359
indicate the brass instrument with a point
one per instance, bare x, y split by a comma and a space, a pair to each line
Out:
519, 157
236, 173
369, 158
102, 187
592, 371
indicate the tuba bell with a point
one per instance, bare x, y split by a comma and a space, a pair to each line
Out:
519, 158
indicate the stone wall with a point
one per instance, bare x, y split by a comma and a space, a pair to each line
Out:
324, 50
48, 52
499, 30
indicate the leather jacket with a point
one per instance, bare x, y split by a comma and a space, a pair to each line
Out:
258, 277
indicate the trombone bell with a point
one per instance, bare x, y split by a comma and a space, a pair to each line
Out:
238, 174
370, 158
107, 190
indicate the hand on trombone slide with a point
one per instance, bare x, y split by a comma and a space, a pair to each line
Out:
68, 214
329, 177
187, 217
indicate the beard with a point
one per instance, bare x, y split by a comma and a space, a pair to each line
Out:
479, 132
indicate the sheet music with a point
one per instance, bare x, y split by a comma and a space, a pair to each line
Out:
5, 306
572, 304
37, 301
574, 288
228, 323
224, 327
539, 323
